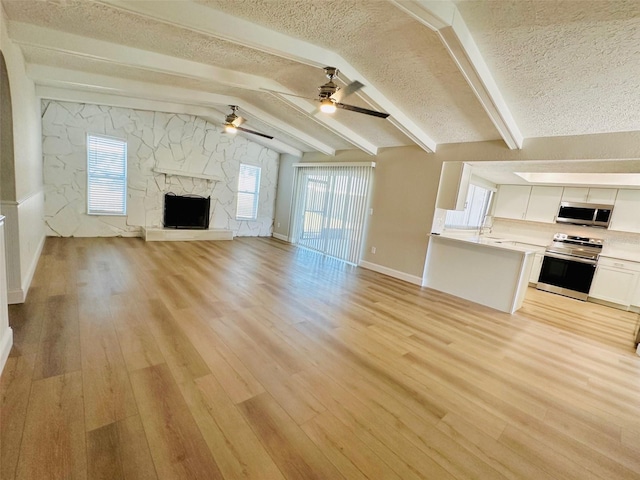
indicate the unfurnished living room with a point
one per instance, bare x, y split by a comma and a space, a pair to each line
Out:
311, 239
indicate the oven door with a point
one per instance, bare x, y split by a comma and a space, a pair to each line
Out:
570, 276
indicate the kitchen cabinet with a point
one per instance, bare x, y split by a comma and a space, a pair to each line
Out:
454, 186
602, 196
615, 281
625, 215
536, 268
512, 201
543, 204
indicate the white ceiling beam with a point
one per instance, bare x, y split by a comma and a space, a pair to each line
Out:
444, 18
199, 18
71, 79
40, 37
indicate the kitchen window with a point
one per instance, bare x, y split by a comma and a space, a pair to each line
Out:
106, 176
475, 211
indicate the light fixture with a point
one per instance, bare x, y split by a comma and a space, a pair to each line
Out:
327, 106
230, 128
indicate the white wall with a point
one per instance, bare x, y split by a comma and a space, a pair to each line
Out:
184, 143
23, 203
284, 196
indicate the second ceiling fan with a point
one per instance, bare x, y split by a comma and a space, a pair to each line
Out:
233, 121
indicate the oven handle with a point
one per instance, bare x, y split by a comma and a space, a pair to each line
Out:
571, 258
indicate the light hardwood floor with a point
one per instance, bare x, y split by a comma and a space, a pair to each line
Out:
252, 359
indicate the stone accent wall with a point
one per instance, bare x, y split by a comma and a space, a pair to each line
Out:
154, 140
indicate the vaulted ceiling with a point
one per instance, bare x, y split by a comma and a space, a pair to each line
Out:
447, 72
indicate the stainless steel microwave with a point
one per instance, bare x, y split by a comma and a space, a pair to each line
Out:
587, 214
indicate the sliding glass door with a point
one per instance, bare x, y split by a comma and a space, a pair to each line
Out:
329, 209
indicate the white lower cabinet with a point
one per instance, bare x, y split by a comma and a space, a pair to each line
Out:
537, 266
616, 281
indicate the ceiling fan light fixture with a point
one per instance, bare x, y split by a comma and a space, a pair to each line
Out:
230, 128
327, 106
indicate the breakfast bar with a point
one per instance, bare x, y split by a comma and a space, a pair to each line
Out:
484, 271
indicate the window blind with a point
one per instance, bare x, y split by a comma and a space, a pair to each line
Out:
329, 209
106, 176
248, 191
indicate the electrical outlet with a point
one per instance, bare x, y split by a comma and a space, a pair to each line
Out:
278, 225
373, 250
371, 211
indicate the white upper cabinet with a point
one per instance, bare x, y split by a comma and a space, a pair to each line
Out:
626, 212
454, 185
543, 204
512, 201
603, 196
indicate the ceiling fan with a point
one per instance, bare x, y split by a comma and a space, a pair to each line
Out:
233, 121
331, 95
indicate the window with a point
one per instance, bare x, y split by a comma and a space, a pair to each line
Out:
472, 217
106, 176
248, 188
329, 208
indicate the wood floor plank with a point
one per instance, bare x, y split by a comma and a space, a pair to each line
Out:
181, 356
288, 445
103, 454
15, 388
138, 345
135, 456
235, 447
107, 391
232, 374
59, 351
53, 443
177, 446
347, 452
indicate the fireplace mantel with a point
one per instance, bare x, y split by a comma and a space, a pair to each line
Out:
180, 173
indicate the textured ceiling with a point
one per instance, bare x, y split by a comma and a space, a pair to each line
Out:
407, 61
562, 67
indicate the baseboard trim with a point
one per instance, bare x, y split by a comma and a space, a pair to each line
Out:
6, 342
391, 272
279, 236
20, 295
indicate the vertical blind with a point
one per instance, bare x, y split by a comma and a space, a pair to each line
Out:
329, 209
248, 191
106, 176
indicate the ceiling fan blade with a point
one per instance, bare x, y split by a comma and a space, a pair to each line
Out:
366, 111
246, 130
346, 91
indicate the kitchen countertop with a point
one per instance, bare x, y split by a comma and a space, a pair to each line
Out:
495, 242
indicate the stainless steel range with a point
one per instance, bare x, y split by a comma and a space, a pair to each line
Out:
569, 265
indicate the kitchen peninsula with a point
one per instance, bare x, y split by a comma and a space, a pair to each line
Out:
484, 271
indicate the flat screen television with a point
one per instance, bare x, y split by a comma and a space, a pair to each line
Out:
186, 211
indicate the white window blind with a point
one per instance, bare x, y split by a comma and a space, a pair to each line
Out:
106, 176
329, 209
248, 190
472, 217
